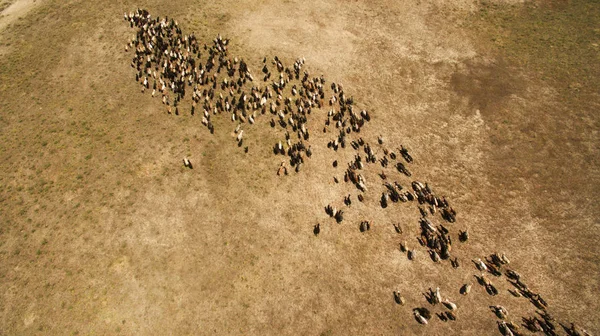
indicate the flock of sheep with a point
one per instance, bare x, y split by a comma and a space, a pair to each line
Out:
171, 64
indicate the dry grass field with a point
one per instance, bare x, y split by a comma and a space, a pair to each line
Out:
104, 232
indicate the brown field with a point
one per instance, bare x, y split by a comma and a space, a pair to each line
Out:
103, 231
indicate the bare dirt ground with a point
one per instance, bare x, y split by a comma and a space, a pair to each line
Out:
15, 10
103, 231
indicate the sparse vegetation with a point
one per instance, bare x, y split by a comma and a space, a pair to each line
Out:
101, 225
560, 40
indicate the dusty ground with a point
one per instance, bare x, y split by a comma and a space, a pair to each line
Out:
14, 10
104, 232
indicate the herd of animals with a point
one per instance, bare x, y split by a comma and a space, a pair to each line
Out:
170, 64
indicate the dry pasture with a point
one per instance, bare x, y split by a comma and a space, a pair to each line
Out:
103, 231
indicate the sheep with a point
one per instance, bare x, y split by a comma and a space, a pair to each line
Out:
539, 298
187, 163
513, 327
434, 256
513, 275
480, 265
361, 186
495, 260
384, 162
330, 210
500, 311
449, 305
364, 226
365, 115
491, 289
515, 293
465, 289
575, 330
548, 322
436, 296
463, 236
339, 216
282, 169
419, 317
504, 329
426, 225
492, 269
278, 149
538, 302
399, 298
449, 215
532, 324
383, 201
407, 157
240, 136
317, 229
402, 169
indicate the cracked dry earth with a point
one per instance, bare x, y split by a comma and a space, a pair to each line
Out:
105, 232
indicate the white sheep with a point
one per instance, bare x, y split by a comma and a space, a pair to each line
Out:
437, 296
449, 305
480, 265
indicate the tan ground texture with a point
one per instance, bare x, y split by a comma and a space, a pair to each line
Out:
104, 232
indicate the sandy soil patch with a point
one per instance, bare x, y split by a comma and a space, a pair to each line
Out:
16, 10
